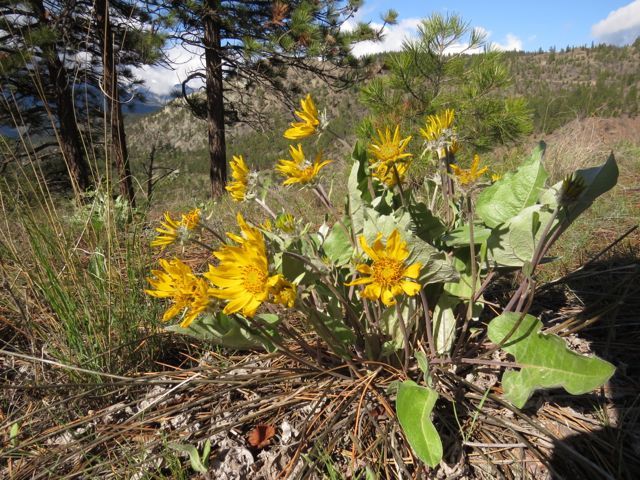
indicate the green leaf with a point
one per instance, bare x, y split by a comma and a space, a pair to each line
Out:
425, 224
444, 323
546, 361
596, 180
14, 431
328, 321
375, 223
390, 325
513, 192
226, 331
194, 456
513, 243
462, 287
206, 451
337, 246
413, 407
461, 237
295, 268
358, 193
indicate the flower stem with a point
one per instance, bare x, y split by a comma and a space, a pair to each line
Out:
266, 208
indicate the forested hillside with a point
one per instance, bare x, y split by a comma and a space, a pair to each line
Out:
559, 86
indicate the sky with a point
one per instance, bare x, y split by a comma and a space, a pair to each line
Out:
509, 25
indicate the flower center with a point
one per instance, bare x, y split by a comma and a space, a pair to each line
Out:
387, 271
254, 279
388, 151
306, 174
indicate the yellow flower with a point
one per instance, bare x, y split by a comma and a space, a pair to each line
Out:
387, 275
240, 174
172, 230
309, 123
388, 149
266, 225
436, 126
298, 169
242, 276
387, 175
495, 177
472, 174
186, 290
283, 292
454, 146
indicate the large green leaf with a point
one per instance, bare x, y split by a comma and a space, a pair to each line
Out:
462, 286
596, 181
546, 361
226, 331
513, 192
413, 406
513, 243
375, 224
462, 236
390, 325
337, 245
425, 224
444, 323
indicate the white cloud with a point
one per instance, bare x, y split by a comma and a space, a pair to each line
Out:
162, 81
512, 43
407, 30
622, 26
394, 37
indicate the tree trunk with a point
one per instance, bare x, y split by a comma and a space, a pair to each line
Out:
118, 148
68, 131
215, 100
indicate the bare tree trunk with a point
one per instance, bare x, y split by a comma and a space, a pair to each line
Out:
114, 109
215, 100
68, 131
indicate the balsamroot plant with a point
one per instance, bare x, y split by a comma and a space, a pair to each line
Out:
396, 274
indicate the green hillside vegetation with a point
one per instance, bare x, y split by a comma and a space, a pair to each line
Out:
578, 82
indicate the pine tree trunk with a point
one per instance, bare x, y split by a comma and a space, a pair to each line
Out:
68, 131
118, 148
215, 100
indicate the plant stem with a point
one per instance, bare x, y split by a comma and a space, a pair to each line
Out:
474, 277
214, 233
266, 208
405, 335
428, 324
396, 174
541, 248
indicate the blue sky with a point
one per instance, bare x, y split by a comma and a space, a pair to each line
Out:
524, 25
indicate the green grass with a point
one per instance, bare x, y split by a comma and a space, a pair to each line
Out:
82, 271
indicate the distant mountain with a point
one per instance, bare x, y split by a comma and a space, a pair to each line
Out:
150, 102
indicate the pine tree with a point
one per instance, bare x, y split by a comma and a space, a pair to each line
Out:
66, 65
436, 71
35, 81
260, 42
